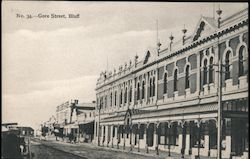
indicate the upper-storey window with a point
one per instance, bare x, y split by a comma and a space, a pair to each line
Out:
205, 72
150, 87
153, 93
130, 94
125, 95
165, 83
227, 65
121, 98
143, 90
175, 80
138, 91
111, 102
187, 77
242, 61
211, 70
105, 101
101, 102
115, 97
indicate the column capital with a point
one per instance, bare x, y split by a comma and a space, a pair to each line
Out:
197, 122
181, 123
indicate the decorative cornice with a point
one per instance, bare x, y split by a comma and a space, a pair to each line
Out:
194, 44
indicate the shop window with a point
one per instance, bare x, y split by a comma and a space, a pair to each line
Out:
141, 131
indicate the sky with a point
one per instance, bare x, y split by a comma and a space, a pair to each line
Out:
46, 61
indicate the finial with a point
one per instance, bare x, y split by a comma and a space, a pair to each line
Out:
184, 30
219, 11
159, 44
136, 56
171, 37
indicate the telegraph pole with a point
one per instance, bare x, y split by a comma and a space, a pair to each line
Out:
99, 108
219, 130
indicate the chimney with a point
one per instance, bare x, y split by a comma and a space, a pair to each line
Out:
171, 41
184, 30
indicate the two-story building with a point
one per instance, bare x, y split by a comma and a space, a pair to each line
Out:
66, 117
172, 99
85, 119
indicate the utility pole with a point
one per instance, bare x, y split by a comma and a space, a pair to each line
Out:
219, 129
99, 108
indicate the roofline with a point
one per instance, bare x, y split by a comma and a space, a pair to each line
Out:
216, 34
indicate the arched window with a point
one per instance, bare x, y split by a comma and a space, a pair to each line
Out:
115, 97
143, 90
105, 101
211, 70
242, 61
138, 91
165, 83
130, 94
227, 65
101, 103
121, 98
111, 99
187, 77
150, 87
205, 72
125, 95
153, 93
175, 80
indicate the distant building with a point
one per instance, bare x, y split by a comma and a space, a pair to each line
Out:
85, 119
76, 118
26, 131
65, 117
169, 100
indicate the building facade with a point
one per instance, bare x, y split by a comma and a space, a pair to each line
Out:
171, 100
77, 119
85, 119
66, 120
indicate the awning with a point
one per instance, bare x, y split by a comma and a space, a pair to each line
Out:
71, 126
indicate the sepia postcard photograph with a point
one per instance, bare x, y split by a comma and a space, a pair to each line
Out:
124, 80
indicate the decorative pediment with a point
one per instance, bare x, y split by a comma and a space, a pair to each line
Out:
205, 27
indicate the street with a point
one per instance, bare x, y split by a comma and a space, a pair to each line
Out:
60, 150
